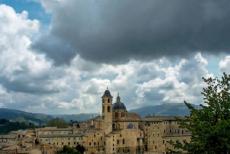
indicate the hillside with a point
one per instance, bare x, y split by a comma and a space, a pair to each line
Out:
39, 119
173, 109
76, 117
21, 116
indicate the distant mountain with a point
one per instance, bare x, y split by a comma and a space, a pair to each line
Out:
174, 109
21, 116
76, 117
38, 118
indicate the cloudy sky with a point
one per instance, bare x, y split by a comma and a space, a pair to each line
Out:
58, 56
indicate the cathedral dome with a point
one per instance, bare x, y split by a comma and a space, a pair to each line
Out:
119, 105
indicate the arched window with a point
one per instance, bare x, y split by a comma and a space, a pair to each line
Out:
108, 100
108, 109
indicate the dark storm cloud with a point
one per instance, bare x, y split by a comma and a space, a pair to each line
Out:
28, 84
57, 49
24, 82
23, 86
115, 31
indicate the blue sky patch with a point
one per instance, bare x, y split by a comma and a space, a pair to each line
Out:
34, 9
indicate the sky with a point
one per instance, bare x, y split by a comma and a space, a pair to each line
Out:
59, 56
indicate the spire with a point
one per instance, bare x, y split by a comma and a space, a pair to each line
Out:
118, 98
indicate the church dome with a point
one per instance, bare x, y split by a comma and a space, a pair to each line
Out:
119, 105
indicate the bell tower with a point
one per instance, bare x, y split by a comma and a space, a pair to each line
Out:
107, 99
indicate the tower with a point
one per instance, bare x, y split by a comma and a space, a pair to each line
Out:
107, 99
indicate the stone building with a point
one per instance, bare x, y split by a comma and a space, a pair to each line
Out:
117, 131
18, 142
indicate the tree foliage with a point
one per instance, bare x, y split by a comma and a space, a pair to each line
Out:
80, 148
209, 124
69, 150
57, 122
7, 126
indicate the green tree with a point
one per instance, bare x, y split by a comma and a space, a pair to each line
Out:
80, 148
209, 124
68, 150
7, 126
57, 122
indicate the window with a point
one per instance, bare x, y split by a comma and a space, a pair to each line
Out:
108, 100
103, 109
116, 115
117, 141
108, 108
123, 141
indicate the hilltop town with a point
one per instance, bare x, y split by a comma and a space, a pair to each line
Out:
116, 131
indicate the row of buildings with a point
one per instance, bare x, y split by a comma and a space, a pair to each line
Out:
116, 131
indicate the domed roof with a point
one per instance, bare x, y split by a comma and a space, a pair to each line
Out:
119, 105
107, 93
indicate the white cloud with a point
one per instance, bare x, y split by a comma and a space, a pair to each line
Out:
16, 31
180, 82
224, 64
23, 72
